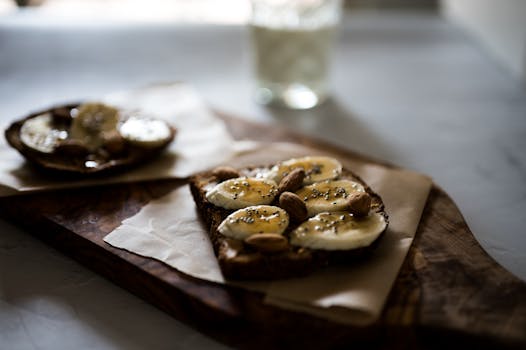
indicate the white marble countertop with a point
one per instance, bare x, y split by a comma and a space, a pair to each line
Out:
408, 88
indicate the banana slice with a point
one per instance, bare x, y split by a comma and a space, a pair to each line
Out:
329, 195
145, 132
338, 231
253, 220
92, 122
316, 169
242, 192
39, 134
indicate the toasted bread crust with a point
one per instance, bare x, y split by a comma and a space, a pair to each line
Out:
237, 261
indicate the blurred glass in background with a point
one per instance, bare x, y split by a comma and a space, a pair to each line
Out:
293, 43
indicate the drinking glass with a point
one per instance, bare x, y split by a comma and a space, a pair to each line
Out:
293, 42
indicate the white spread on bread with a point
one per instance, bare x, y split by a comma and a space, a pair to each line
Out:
254, 220
241, 192
338, 231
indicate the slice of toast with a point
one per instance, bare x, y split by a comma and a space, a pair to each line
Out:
71, 160
240, 261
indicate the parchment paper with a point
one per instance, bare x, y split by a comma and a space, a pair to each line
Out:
202, 140
169, 230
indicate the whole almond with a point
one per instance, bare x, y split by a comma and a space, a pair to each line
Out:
267, 242
292, 181
223, 173
359, 203
293, 205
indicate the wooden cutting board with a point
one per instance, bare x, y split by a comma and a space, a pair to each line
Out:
448, 292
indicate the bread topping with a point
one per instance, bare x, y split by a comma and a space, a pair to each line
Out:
338, 231
254, 220
327, 196
322, 209
145, 132
87, 139
241, 192
316, 169
93, 124
40, 133
280, 239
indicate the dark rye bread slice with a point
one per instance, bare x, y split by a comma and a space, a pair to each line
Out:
239, 261
72, 164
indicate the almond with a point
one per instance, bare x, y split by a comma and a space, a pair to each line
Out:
359, 203
294, 206
223, 173
267, 242
292, 181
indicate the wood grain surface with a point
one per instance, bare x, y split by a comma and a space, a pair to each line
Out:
449, 292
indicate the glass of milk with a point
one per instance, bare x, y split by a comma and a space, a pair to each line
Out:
293, 44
